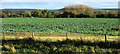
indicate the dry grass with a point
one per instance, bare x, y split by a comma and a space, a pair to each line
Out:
55, 37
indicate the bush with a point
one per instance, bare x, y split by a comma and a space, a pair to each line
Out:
111, 14
0, 15
8, 14
100, 15
82, 15
49, 15
4, 15
27, 14
36, 13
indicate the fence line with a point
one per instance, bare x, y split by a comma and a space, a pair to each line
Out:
46, 34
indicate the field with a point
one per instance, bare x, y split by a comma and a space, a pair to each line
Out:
58, 44
61, 25
84, 35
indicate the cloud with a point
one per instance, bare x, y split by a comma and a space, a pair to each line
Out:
56, 5
109, 7
37, 5
101, 4
60, 0
100, 0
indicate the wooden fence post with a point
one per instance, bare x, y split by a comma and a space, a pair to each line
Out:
16, 36
32, 35
106, 40
67, 36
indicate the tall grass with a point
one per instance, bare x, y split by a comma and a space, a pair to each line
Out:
68, 46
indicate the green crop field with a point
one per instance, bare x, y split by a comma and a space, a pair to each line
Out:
60, 25
79, 35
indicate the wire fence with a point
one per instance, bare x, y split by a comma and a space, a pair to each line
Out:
66, 35
47, 34
32, 35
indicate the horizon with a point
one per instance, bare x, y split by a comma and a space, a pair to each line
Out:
57, 5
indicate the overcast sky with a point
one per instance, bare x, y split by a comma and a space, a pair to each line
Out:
56, 4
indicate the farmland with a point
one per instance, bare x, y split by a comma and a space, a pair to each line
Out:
60, 25
50, 35
70, 28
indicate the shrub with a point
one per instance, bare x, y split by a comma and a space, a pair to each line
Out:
27, 14
4, 15
36, 13
111, 14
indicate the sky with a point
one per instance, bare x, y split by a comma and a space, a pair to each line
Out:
59, 0
56, 4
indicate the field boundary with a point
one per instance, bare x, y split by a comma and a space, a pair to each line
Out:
56, 36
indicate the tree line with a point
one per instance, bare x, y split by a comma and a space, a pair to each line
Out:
65, 14
73, 11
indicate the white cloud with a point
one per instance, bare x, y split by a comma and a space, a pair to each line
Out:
109, 7
100, 0
60, 0
56, 4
